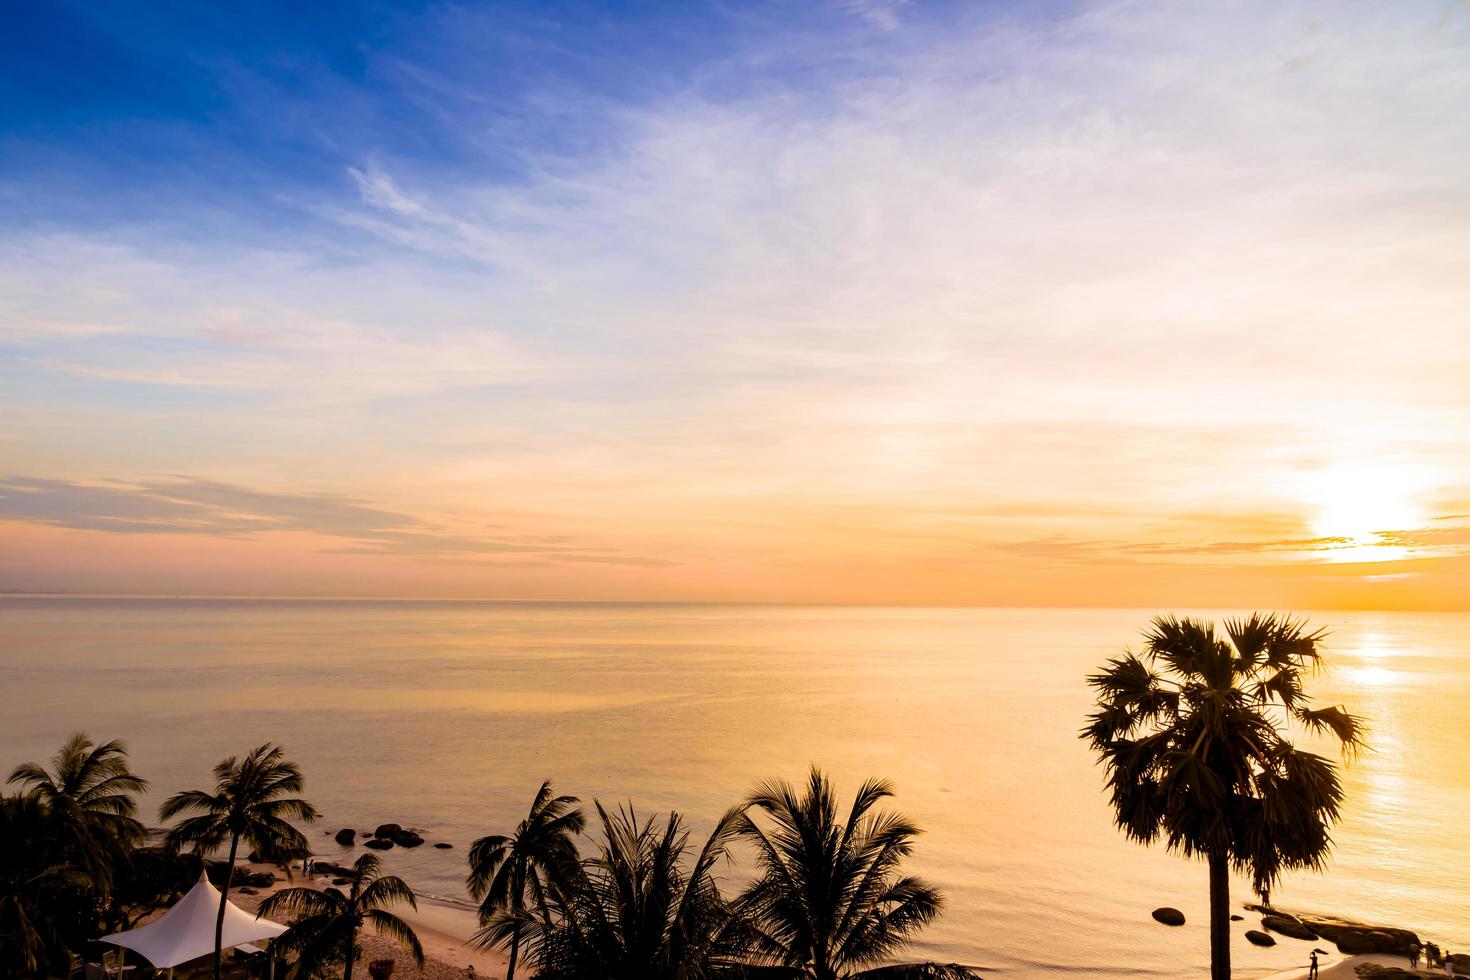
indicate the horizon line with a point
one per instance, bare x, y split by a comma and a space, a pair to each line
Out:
747, 603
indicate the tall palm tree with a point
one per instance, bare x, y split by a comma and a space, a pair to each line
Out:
29, 877
249, 803
1194, 737
534, 864
88, 795
830, 902
326, 923
638, 913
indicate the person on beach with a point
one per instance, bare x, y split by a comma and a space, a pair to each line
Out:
470, 972
1312, 970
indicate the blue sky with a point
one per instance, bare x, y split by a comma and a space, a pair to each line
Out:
229, 112
861, 299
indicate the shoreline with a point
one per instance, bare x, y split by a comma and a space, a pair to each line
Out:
444, 929
1337, 966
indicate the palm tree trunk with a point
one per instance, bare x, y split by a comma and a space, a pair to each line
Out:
1219, 917
224, 898
515, 947
351, 953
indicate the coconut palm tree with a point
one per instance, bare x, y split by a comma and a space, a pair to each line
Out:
325, 924
88, 796
830, 902
637, 913
1194, 735
30, 875
249, 803
533, 865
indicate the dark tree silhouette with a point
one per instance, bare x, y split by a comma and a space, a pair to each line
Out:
325, 923
638, 913
1194, 737
831, 901
250, 803
30, 875
87, 795
518, 878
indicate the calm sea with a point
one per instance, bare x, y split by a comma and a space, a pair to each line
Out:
446, 715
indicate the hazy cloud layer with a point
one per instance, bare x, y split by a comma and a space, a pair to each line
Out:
201, 507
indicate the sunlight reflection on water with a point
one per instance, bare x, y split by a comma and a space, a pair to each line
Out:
446, 715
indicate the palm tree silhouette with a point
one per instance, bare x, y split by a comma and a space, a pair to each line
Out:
1194, 737
830, 902
248, 803
30, 873
535, 863
638, 914
88, 797
326, 923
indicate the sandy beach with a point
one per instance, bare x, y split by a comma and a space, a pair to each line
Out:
1335, 966
441, 929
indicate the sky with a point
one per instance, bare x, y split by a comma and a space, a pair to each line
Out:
869, 301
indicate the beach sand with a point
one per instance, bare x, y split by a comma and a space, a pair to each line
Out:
442, 931
1338, 967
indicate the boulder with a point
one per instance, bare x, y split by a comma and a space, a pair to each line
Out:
1237, 918
1169, 916
346, 837
1287, 925
249, 891
328, 868
443, 846
1461, 963
407, 838
1259, 938
341, 881
1355, 938
378, 844
389, 830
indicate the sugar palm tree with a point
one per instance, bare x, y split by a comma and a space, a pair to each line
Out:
830, 901
30, 874
533, 865
325, 924
638, 913
249, 803
1194, 735
88, 796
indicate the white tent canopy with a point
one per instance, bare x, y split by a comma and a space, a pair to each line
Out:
186, 931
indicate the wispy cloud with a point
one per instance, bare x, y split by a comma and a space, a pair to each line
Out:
882, 13
379, 190
202, 507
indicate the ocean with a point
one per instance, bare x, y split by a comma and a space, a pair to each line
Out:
445, 716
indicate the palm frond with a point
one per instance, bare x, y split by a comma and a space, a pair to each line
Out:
387, 890
295, 903
390, 926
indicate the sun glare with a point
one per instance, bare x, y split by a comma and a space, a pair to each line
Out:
1355, 505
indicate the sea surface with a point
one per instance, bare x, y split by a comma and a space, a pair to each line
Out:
446, 716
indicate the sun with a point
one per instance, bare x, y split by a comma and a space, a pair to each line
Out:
1353, 506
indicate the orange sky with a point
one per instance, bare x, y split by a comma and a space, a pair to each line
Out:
1163, 307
